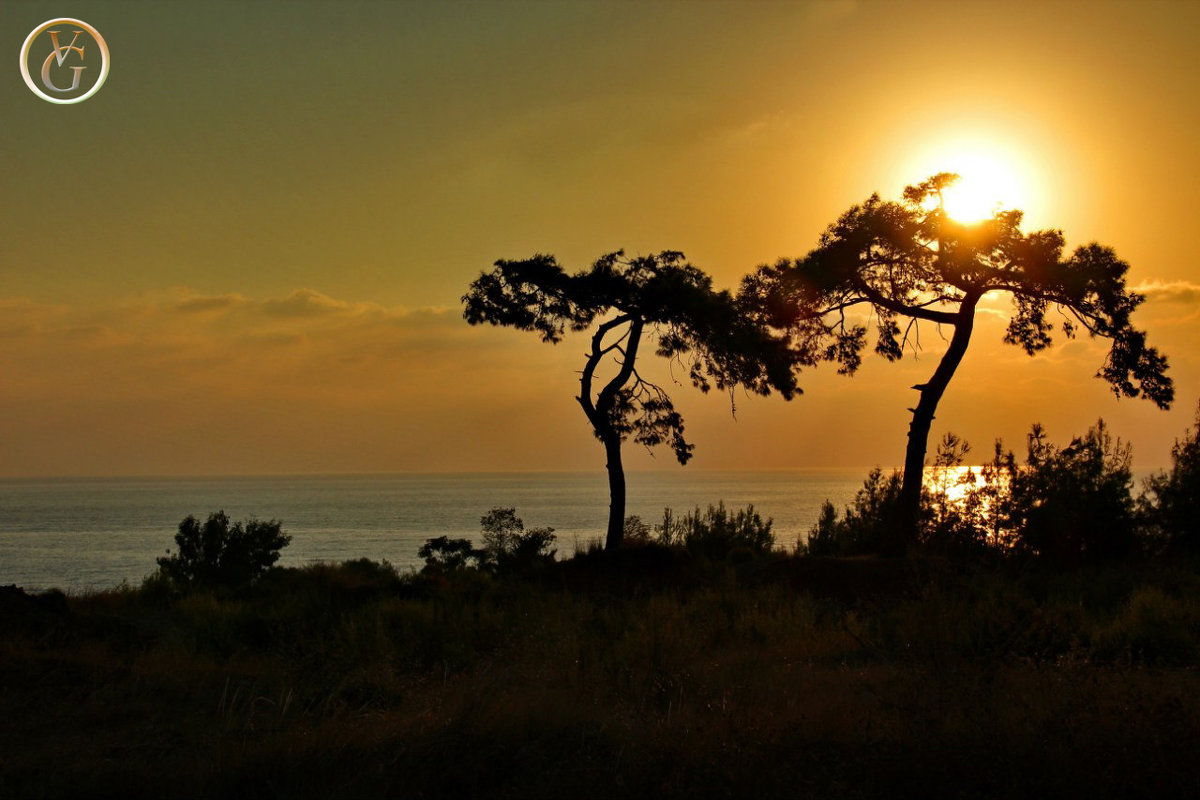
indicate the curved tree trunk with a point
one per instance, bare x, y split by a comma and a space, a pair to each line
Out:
599, 415
904, 532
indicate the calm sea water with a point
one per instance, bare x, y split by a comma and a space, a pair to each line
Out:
84, 534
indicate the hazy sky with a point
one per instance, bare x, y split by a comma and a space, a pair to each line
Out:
245, 253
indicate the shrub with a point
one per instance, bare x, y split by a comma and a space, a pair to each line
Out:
1170, 505
1064, 506
956, 514
1072, 504
824, 538
363, 572
865, 523
637, 532
958, 504
444, 554
507, 545
1153, 628
717, 532
219, 554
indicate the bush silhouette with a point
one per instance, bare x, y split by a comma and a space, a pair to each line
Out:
219, 554
507, 545
1062, 506
1171, 503
1071, 504
717, 532
443, 554
637, 532
866, 524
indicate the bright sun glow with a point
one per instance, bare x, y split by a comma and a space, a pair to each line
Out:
985, 186
993, 176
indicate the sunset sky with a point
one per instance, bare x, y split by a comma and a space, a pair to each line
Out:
245, 253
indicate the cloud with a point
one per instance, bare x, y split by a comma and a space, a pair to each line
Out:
199, 304
305, 303
277, 338
1182, 292
25, 307
303, 338
97, 336
21, 317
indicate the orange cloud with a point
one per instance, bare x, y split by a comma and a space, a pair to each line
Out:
1170, 291
178, 381
202, 303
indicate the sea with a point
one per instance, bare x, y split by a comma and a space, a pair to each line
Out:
88, 534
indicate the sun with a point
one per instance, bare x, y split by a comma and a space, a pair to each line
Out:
985, 186
993, 176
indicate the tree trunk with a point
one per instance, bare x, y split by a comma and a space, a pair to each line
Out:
598, 412
903, 533
616, 494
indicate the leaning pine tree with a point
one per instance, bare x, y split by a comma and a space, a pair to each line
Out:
625, 302
911, 262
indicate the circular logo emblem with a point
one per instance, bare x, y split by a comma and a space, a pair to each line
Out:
64, 61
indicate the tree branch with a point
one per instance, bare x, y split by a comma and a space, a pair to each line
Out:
608, 394
879, 299
589, 370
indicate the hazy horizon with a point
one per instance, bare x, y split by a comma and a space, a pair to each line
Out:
1139, 473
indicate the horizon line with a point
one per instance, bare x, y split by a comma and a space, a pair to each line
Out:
449, 473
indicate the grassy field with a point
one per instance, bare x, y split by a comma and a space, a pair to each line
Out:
644, 674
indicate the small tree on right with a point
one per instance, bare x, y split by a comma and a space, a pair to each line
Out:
910, 262
1069, 505
1171, 503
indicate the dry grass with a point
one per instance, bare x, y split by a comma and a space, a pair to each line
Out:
683, 680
